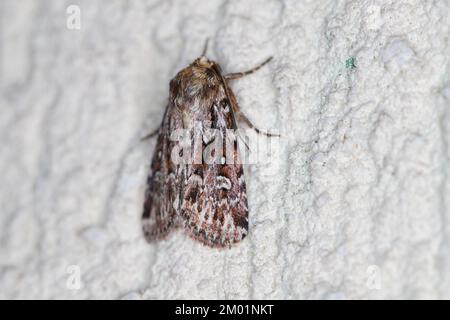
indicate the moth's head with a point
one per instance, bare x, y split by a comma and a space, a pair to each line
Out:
204, 62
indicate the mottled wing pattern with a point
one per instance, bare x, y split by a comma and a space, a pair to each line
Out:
163, 184
214, 200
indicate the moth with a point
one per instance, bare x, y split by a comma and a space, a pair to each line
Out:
208, 200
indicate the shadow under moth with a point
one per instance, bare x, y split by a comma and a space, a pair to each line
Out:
185, 188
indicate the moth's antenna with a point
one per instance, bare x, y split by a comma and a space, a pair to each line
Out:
205, 47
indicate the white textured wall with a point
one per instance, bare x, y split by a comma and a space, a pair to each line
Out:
356, 205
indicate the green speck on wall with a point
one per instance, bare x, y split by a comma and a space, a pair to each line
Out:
350, 63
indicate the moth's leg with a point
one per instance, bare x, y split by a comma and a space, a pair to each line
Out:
251, 125
241, 115
237, 75
234, 104
150, 135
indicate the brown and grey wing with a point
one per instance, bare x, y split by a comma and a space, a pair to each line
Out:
214, 206
163, 190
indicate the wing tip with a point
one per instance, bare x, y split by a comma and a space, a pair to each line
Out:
153, 232
219, 242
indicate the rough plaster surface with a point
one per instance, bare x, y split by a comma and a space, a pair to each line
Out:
355, 205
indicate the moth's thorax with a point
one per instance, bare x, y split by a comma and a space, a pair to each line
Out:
199, 81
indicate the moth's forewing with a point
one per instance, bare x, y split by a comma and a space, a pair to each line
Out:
163, 185
214, 205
